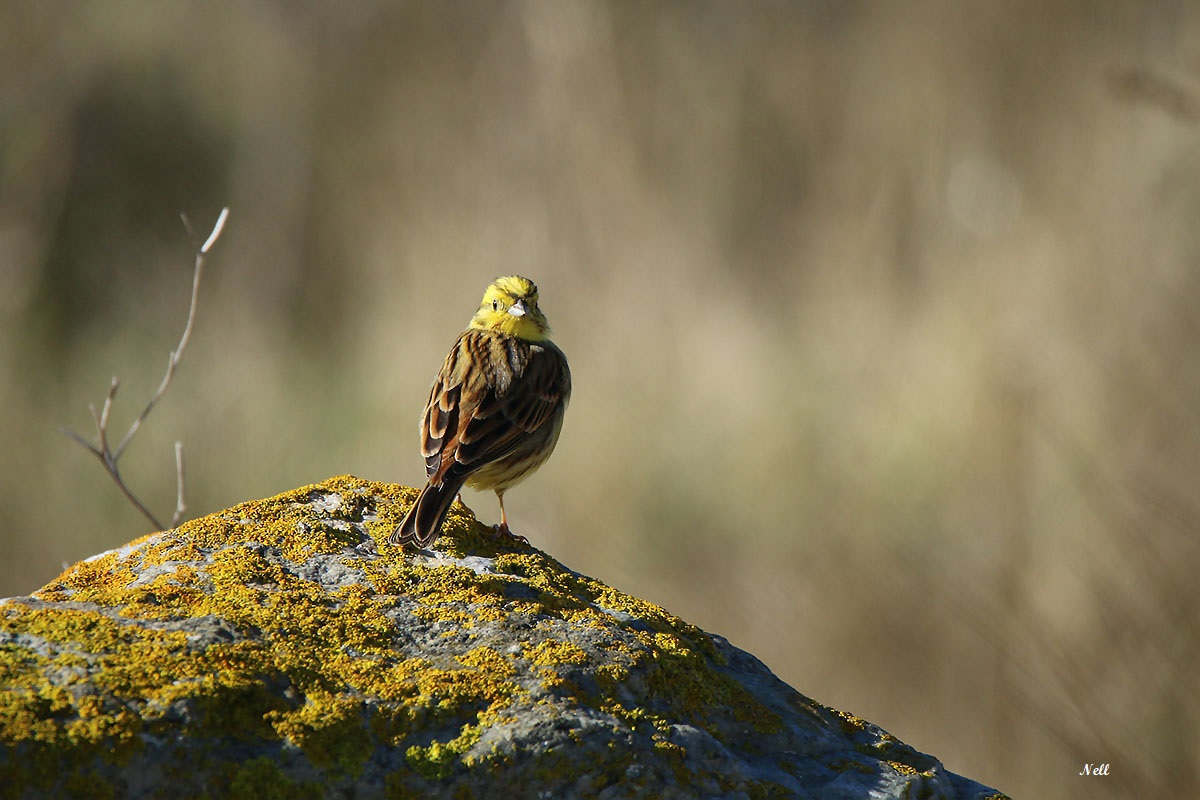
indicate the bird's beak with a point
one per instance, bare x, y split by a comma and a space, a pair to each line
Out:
517, 309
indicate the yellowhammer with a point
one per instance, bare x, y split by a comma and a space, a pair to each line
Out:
495, 410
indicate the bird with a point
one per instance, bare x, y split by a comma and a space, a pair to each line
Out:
495, 409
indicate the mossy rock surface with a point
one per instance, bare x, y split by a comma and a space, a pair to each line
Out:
282, 649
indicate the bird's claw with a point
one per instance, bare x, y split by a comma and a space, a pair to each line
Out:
502, 531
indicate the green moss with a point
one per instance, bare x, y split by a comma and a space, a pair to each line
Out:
767, 791
261, 779
436, 761
847, 764
88, 785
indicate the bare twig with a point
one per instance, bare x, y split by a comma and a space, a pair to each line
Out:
177, 353
180, 502
101, 449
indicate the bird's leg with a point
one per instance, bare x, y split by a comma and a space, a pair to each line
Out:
502, 529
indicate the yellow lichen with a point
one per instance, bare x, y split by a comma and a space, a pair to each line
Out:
850, 723
488, 661
903, 769
550, 652
318, 669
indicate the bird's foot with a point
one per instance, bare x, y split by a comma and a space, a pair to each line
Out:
502, 531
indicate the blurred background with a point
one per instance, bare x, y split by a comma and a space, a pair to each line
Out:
884, 318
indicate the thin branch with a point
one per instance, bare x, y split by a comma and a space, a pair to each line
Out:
216, 232
109, 457
177, 353
111, 467
180, 502
91, 448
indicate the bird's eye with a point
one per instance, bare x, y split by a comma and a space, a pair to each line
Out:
495, 305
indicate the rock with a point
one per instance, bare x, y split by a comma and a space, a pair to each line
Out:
282, 649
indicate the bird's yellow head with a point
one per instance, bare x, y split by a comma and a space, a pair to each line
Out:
510, 305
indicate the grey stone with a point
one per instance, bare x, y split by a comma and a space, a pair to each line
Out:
282, 649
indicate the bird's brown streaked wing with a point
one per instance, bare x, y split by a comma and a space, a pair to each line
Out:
493, 421
439, 423
502, 421
546, 388
463, 386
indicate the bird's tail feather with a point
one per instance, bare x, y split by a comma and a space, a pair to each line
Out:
423, 522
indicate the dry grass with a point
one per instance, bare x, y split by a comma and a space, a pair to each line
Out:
882, 318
